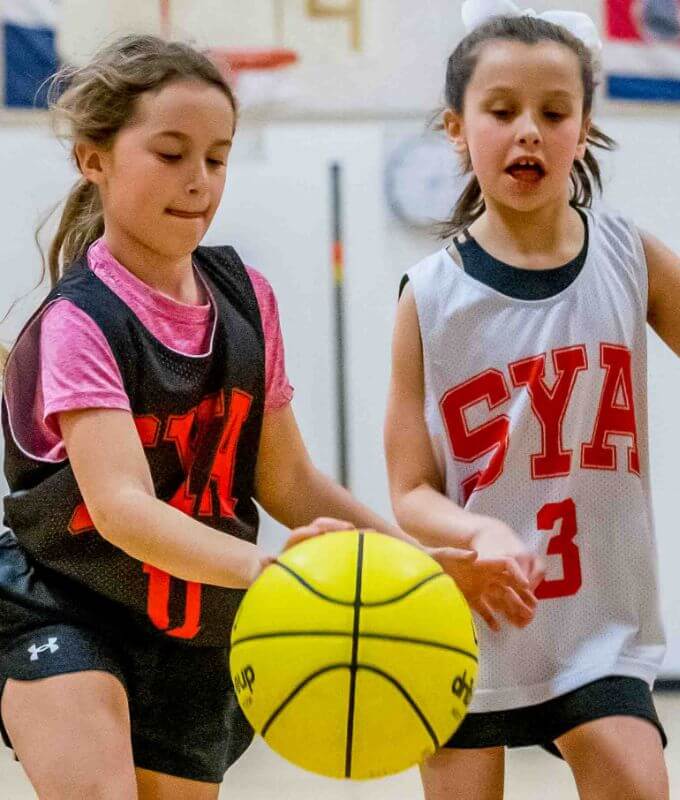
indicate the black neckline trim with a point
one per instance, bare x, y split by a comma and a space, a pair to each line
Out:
518, 282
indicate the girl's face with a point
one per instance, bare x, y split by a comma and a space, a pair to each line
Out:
162, 180
522, 123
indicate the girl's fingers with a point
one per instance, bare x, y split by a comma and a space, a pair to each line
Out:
515, 609
504, 600
330, 525
299, 536
523, 589
508, 572
533, 567
443, 555
315, 528
517, 578
537, 572
485, 612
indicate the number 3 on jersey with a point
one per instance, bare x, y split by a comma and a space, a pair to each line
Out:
561, 519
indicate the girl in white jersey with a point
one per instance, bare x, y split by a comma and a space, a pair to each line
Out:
517, 420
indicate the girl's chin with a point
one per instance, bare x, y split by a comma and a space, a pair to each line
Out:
187, 231
523, 200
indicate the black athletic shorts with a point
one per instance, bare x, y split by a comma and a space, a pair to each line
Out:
543, 723
185, 720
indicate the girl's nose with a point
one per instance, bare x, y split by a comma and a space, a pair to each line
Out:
528, 132
198, 179
530, 138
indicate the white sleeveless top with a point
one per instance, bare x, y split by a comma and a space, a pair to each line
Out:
537, 414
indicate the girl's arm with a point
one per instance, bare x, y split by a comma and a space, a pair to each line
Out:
290, 487
418, 498
663, 305
113, 475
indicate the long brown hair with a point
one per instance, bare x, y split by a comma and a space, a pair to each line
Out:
585, 173
93, 103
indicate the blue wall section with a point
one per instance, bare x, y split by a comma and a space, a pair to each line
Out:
30, 58
631, 87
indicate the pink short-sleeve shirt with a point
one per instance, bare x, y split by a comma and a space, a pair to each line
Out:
64, 363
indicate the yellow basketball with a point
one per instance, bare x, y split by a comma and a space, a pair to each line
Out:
354, 655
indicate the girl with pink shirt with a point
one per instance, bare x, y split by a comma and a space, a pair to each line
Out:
145, 407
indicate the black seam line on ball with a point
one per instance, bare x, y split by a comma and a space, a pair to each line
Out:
331, 668
355, 652
387, 637
409, 700
350, 603
297, 690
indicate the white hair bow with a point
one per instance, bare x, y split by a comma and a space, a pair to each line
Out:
476, 12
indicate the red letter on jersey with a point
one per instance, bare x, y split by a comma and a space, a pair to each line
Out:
222, 470
616, 414
188, 430
158, 601
550, 405
468, 445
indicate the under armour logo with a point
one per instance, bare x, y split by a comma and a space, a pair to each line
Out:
51, 645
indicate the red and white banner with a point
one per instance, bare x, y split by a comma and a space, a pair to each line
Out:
642, 49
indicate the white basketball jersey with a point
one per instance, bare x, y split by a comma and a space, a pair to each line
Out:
537, 415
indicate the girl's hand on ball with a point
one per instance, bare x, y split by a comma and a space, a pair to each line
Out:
318, 526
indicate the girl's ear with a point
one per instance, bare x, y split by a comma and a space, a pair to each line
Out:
582, 140
455, 130
89, 161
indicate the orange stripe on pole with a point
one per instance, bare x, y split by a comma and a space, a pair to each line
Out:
338, 261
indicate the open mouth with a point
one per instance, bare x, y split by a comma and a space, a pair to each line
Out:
526, 170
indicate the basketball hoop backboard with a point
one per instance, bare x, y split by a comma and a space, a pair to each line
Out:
354, 56
247, 47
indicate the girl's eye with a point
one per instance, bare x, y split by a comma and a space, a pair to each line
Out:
555, 116
216, 162
169, 156
500, 113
